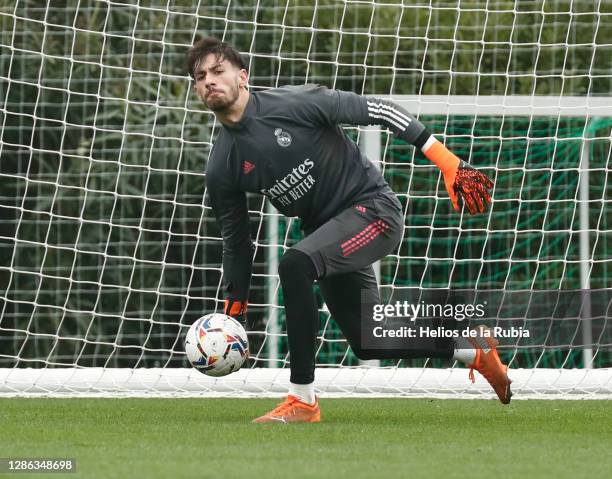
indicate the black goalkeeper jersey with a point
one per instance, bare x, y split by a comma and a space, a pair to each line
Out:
289, 147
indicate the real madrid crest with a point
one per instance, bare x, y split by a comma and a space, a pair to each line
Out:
282, 137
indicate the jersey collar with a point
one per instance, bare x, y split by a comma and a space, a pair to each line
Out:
249, 111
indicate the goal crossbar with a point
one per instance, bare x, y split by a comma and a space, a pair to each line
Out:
515, 105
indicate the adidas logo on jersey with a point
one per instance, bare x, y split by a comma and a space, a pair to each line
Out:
247, 167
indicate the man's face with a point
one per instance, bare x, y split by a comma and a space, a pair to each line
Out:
218, 82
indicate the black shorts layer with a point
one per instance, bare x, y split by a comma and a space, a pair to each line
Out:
356, 237
343, 251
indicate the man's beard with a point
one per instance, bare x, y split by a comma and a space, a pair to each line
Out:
221, 103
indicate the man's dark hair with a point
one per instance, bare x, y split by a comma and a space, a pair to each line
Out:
207, 45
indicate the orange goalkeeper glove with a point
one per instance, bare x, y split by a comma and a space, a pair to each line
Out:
237, 310
461, 180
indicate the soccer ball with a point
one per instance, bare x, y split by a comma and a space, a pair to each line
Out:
216, 345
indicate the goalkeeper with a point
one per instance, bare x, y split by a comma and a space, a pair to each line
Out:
286, 143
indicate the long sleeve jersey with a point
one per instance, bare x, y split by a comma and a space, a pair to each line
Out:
289, 146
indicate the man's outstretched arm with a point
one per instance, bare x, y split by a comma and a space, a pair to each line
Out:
339, 107
461, 180
230, 210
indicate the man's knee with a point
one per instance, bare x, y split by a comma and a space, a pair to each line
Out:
296, 263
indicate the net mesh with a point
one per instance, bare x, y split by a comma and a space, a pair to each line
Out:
108, 250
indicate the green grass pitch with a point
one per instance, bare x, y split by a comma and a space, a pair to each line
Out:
388, 438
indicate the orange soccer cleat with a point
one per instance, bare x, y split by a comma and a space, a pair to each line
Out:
292, 410
488, 364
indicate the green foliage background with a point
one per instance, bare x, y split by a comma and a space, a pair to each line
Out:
107, 249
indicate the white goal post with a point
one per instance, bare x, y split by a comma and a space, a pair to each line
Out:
109, 252
360, 381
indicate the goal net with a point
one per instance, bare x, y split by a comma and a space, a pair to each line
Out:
109, 252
